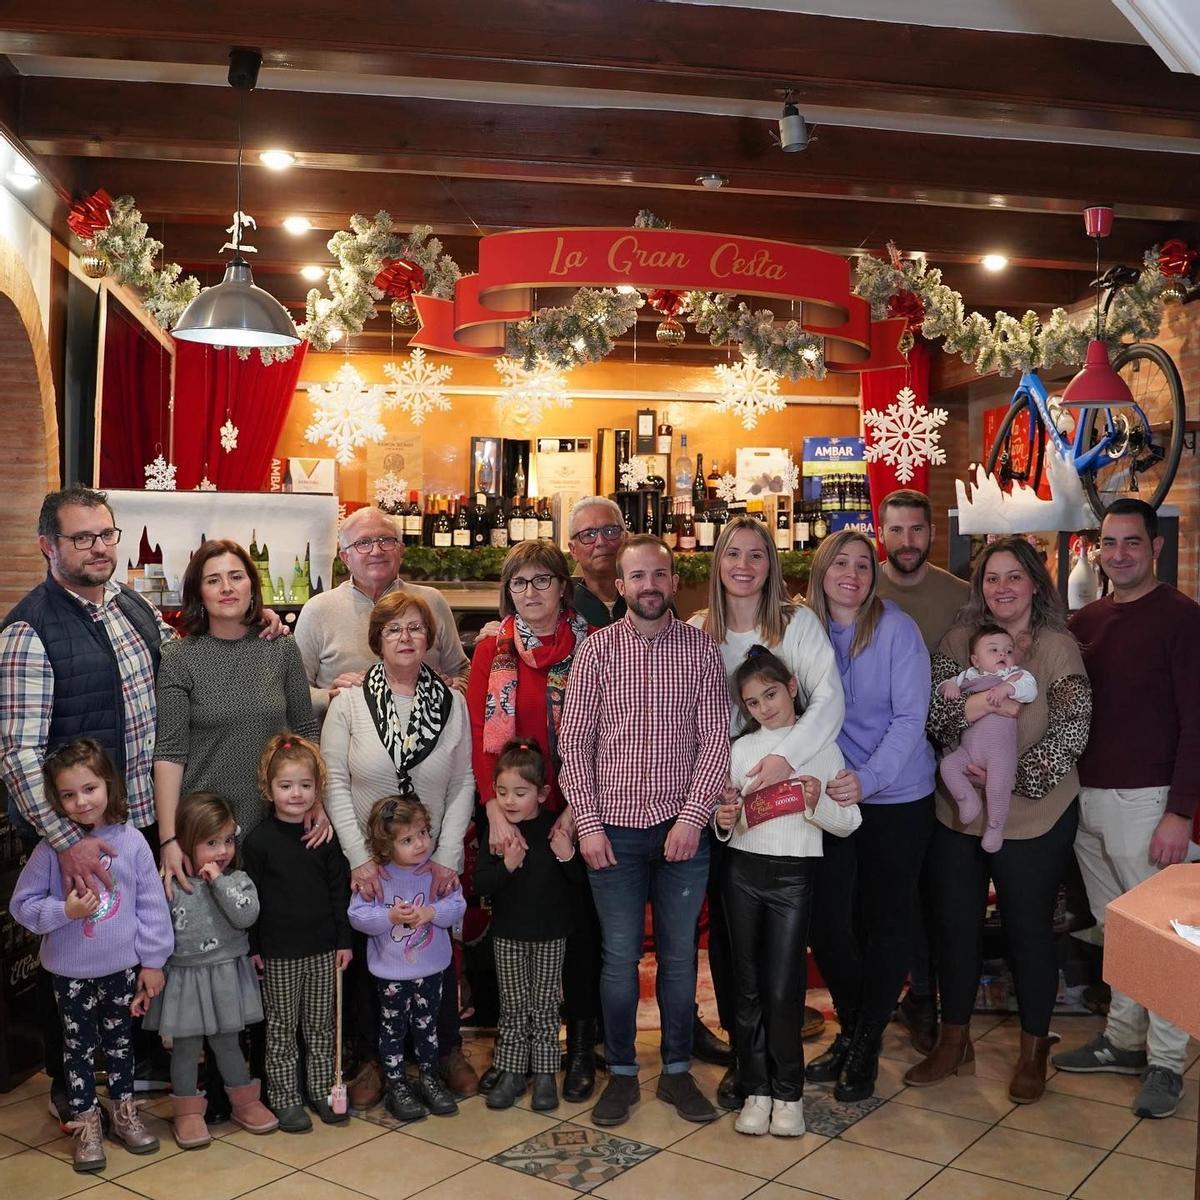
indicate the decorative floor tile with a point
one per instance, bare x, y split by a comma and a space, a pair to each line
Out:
575, 1156
829, 1117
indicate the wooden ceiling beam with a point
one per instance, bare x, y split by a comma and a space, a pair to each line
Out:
639, 45
178, 122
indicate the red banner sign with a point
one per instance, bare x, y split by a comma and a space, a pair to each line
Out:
511, 265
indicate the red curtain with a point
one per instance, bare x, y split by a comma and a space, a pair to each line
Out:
879, 389
134, 416
211, 384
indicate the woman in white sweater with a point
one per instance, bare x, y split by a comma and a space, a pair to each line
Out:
775, 835
402, 727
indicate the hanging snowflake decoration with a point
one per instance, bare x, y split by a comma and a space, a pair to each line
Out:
791, 477
905, 435
390, 491
205, 485
347, 413
229, 435
634, 472
417, 388
748, 390
529, 392
727, 488
160, 475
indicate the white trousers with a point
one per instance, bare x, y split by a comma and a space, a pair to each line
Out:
1113, 849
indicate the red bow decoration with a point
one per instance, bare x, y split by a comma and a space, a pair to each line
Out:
665, 302
88, 217
398, 278
1175, 258
910, 306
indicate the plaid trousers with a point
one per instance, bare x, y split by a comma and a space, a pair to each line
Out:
299, 992
530, 975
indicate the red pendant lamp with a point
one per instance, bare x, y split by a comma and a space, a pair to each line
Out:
1097, 385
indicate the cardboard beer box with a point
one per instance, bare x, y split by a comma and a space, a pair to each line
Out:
830, 456
863, 522
311, 475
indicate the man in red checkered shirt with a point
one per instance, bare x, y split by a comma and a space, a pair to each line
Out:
645, 753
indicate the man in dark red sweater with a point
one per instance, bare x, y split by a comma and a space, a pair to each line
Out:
1139, 776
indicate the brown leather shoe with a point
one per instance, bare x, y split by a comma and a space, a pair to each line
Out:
459, 1075
365, 1090
1029, 1079
953, 1055
814, 1023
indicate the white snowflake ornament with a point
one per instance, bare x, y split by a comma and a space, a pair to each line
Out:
791, 477
748, 390
634, 472
417, 388
347, 413
905, 435
727, 488
390, 491
205, 485
229, 435
160, 475
527, 394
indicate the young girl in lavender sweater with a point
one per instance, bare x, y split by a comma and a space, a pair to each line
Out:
93, 943
408, 950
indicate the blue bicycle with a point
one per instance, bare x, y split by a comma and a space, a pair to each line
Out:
1129, 450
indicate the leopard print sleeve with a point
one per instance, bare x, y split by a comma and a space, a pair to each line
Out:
1069, 714
947, 718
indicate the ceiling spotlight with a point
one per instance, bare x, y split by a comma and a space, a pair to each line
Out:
711, 180
793, 132
994, 262
277, 160
297, 225
312, 273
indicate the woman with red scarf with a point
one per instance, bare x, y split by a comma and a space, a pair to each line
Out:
517, 683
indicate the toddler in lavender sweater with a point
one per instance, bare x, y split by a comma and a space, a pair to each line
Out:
408, 950
991, 742
93, 943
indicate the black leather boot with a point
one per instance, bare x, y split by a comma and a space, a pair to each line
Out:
709, 1048
438, 1098
544, 1096
729, 1091
827, 1067
504, 1092
580, 1079
861, 1068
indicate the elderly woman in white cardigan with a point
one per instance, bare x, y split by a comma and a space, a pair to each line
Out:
402, 729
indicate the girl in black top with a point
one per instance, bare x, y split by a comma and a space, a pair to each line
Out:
531, 903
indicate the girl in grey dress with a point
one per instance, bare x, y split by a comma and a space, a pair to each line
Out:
211, 989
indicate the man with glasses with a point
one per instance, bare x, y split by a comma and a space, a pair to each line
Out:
332, 629
597, 531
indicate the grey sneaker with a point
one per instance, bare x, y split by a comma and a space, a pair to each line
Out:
1162, 1089
1101, 1055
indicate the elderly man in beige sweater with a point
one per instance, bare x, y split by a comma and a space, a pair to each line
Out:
332, 629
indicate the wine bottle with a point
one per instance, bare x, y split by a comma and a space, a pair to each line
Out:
699, 495
663, 441
670, 533
498, 527
800, 525
713, 481
683, 468
519, 480
516, 522
783, 531
531, 519
460, 534
412, 521
479, 522
441, 529
650, 512
706, 535
687, 531
545, 522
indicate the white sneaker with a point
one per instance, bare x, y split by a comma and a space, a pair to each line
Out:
787, 1118
755, 1117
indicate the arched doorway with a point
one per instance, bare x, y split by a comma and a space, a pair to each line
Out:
28, 429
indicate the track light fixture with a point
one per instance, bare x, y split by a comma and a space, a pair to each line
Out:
793, 132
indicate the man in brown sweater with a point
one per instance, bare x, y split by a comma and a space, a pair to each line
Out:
932, 597
1139, 776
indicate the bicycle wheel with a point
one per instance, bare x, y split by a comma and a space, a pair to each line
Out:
1142, 461
1014, 457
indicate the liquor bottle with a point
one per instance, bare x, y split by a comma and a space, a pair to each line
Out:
479, 522
713, 481
545, 522
683, 468
687, 530
531, 519
460, 533
783, 532
662, 443
670, 533
519, 480
649, 503
498, 527
410, 521
699, 495
820, 528
516, 522
706, 536
442, 537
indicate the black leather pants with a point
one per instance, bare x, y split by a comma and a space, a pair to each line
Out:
767, 901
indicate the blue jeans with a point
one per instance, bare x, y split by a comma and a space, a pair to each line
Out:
675, 891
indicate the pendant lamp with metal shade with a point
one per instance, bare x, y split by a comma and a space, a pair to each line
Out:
235, 312
1097, 385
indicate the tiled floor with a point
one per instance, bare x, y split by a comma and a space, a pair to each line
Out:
961, 1140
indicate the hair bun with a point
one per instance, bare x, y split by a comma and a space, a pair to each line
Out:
756, 650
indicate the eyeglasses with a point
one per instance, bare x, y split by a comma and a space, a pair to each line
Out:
85, 541
610, 533
363, 545
412, 632
541, 582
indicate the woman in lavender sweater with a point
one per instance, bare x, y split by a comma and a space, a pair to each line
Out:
866, 883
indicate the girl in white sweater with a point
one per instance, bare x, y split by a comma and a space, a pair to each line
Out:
773, 832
